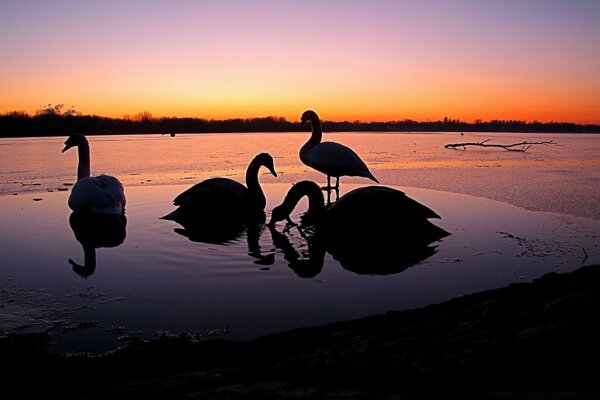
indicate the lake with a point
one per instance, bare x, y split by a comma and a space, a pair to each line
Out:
512, 217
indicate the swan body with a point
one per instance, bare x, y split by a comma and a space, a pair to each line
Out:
224, 200
375, 213
330, 158
102, 194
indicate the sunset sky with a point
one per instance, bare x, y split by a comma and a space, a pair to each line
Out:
347, 60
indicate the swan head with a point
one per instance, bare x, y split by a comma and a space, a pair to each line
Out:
74, 140
266, 160
280, 213
309, 115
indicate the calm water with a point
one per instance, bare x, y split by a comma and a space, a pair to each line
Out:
158, 280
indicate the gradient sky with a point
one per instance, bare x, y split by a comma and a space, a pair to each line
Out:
347, 60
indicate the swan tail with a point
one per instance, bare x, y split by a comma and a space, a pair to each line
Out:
173, 215
435, 233
371, 177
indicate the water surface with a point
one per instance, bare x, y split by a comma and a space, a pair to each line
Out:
563, 178
158, 280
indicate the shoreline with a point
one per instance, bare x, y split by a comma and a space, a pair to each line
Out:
526, 337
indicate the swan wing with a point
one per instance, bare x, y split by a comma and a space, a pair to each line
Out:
212, 191
335, 159
380, 203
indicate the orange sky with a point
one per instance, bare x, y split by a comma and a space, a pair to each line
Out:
348, 60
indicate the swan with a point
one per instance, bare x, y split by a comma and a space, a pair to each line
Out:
96, 194
372, 213
223, 201
330, 158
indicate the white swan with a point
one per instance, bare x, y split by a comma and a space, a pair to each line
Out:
96, 194
224, 201
330, 158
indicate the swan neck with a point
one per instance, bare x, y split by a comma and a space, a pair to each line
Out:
317, 131
89, 255
83, 168
316, 201
254, 186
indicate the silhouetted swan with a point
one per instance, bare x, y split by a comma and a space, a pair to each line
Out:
93, 231
223, 201
99, 194
330, 158
376, 213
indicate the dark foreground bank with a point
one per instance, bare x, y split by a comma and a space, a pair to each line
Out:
524, 341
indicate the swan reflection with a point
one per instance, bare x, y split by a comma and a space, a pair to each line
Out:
306, 264
226, 232
372, 255
214, 232
93, 231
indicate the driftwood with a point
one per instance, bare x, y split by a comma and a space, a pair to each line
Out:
524, 146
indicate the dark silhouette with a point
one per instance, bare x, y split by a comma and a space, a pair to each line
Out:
330, 158
96, 194
225, 234
93, 231
521, 147
373, 229
20, 124
223, 201
306, 265
375, 255
211, 231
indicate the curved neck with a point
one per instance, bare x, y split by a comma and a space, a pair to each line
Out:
83, 168
254, 186
317, 132
316, 202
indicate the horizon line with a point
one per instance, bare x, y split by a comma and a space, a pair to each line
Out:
147, 116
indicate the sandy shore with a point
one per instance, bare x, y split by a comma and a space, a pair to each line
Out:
530, 340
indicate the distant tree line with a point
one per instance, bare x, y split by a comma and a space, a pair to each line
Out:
53, 121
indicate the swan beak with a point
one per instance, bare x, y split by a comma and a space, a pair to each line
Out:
273, 172
67, 147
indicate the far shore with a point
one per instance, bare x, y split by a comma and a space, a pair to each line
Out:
19, 124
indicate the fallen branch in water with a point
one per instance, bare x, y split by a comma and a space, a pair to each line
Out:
524, 146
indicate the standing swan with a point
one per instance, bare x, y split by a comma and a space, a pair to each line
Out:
96, 194
223, 200
330, 158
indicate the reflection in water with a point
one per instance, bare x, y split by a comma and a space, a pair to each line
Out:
305, 265
378, 255
225, 232
215, 232
93, 231
373, 254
